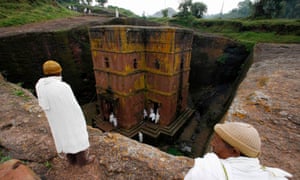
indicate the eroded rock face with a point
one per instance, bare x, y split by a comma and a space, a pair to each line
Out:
269, 98
25, 135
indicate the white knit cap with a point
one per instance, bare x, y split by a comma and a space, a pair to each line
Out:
240, 135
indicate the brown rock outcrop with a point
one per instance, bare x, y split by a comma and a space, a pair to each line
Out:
269, 98
15, 169
24, 131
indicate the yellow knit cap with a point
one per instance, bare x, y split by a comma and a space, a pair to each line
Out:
240, 135
51, 67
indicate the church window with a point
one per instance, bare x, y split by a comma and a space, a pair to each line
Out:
182, 63
157, 64
135, 64
106, 62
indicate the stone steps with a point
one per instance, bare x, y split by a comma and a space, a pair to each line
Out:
154, 130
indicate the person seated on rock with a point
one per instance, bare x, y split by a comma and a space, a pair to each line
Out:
65, 117
236, 147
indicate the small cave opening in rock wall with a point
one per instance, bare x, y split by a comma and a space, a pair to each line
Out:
216, 68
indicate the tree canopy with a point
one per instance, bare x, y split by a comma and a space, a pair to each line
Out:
101, 2
266, 9
198, 9
187, 7
184, 7
276, 9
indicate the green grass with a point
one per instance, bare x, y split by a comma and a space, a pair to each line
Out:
271, 21
20, 92
174, 151
271, 37
12, 14
248, 32
3, 158
48, 165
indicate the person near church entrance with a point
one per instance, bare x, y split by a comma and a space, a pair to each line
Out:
236, 147
64, 115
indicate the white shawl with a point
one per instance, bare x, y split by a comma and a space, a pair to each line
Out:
207, 168
65, 117
210, 167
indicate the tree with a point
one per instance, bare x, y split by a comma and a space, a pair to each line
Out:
165, 12
272, 8
185, 7
101, 2
86, 2
67, 1
198, 9
267, 8
291, 9
244, 8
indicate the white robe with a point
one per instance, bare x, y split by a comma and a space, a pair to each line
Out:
111, 118
210, 167
145, 114
65, 117
157, 116
152, 115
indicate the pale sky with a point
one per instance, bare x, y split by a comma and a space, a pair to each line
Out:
152, 6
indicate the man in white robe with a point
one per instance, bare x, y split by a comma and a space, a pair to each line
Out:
111, 117
145, 114
65, 117
152, 115
157, 116
236, 147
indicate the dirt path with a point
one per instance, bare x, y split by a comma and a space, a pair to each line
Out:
53, 25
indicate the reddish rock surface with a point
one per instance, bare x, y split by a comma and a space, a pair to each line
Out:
269, 98
15, 169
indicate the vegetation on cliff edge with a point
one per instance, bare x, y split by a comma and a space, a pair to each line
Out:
244, 30
247, 31
13, 12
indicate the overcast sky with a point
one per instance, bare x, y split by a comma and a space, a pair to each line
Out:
152, 6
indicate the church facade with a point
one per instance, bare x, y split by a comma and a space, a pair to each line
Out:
141, 73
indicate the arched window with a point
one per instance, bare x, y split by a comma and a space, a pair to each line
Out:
106, 60
182, 62
135, 64
157, 64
